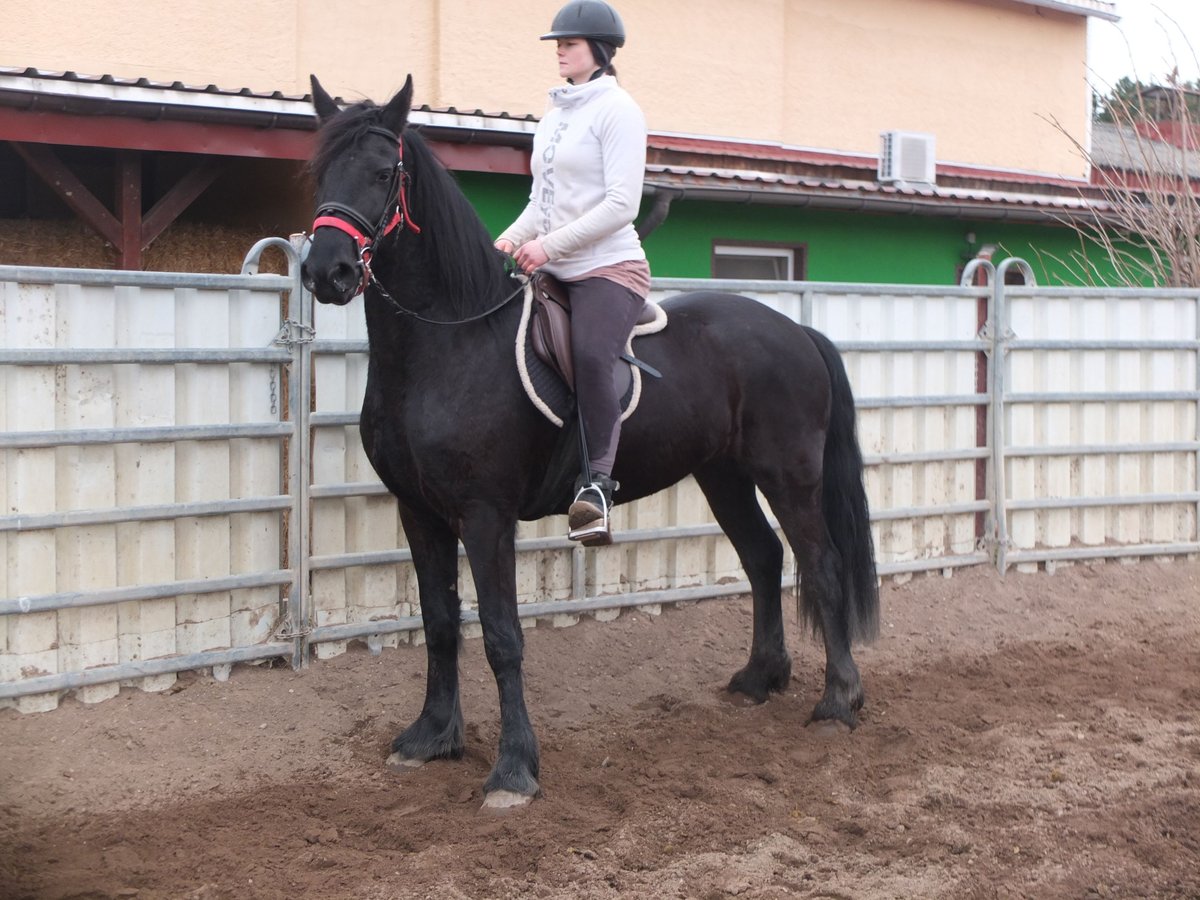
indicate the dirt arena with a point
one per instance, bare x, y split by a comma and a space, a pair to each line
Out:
1036, 736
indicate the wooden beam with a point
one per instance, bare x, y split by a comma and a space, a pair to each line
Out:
217, 139
128, 133
179, 198
45, 163
129, 231
128, 191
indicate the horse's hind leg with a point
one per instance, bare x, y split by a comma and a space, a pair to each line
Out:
730, 493
438, 731
824, 602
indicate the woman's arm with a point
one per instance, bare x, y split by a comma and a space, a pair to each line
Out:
523, 229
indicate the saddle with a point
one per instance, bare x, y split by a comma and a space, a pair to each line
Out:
550, 325
543, 351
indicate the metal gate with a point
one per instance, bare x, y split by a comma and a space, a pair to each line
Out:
150, 475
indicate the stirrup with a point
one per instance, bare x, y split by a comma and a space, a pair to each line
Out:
594, 531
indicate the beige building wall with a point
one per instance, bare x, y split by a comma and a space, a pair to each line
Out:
987, 77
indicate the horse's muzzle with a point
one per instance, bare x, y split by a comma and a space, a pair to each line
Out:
336, 284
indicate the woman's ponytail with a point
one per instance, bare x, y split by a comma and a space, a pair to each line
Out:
602, 54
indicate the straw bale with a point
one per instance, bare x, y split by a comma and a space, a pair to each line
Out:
184, 247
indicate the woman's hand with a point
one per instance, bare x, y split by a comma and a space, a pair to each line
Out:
504, 245
531, 256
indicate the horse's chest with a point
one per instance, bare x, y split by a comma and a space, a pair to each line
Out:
427, 435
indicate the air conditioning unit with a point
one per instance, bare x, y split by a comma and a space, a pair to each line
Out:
907, 157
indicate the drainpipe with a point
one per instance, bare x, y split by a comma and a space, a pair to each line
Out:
658, 211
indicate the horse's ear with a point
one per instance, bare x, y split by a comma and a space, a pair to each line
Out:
395, 114
324, 104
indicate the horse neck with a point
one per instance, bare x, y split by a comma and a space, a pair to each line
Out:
445, 268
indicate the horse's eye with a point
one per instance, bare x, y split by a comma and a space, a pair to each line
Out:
383, 176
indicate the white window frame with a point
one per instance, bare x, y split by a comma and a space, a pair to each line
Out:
785, 253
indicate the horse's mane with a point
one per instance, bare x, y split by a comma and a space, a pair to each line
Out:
456, 248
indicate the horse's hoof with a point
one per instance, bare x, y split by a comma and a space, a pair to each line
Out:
398, 763
762, 677
828, 728
505, 800
834, 709
744, 692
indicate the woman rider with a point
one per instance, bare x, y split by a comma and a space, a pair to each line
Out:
588, 163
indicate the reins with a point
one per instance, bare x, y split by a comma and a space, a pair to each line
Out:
395, 215
420, 318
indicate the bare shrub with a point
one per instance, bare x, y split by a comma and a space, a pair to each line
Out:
1143, 228
1145, 214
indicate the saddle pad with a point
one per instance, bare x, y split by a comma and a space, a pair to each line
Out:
552, 397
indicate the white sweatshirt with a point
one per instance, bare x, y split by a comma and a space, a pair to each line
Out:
589, 161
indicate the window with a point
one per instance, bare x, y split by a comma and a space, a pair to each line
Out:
770, 262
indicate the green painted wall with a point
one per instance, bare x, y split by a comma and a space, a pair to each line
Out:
857, 247
840, 246
497, 198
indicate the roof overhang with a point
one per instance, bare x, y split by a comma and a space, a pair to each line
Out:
850, 195
103, 111
690, 167
1099, 9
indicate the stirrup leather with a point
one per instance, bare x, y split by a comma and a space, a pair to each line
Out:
595, 532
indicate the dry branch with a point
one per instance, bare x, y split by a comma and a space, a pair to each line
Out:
1146, 212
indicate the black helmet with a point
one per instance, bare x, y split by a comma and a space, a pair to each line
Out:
593, 19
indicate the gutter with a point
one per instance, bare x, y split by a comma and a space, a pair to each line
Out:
659, 210
890, 206
1099, 9
33, 90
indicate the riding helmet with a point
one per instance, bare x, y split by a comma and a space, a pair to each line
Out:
592, 19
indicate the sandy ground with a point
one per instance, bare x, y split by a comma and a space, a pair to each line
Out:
1032, 736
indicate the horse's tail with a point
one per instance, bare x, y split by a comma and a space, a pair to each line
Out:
844, 503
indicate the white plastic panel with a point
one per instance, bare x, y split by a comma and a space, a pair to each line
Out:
1130, 318
108, 477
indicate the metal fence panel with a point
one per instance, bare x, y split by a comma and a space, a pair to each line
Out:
1100, 416
142, 513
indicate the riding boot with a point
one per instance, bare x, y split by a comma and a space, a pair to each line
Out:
588, 517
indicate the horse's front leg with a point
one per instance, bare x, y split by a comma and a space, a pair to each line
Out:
438, 731
489, 538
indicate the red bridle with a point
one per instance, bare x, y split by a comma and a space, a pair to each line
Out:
355, 224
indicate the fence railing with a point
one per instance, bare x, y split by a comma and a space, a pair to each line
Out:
143, 445
184, 485
1097, 412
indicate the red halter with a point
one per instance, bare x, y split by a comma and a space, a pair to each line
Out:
355, 224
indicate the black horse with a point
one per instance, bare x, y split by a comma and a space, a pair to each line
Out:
748, 399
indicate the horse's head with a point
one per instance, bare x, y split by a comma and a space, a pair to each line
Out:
361, 183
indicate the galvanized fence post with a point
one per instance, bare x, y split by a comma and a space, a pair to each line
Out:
996, 531
1000, 337
1196, 415
301, 304
296, 334
997, 323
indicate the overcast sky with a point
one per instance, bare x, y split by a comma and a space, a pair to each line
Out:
1146, 41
